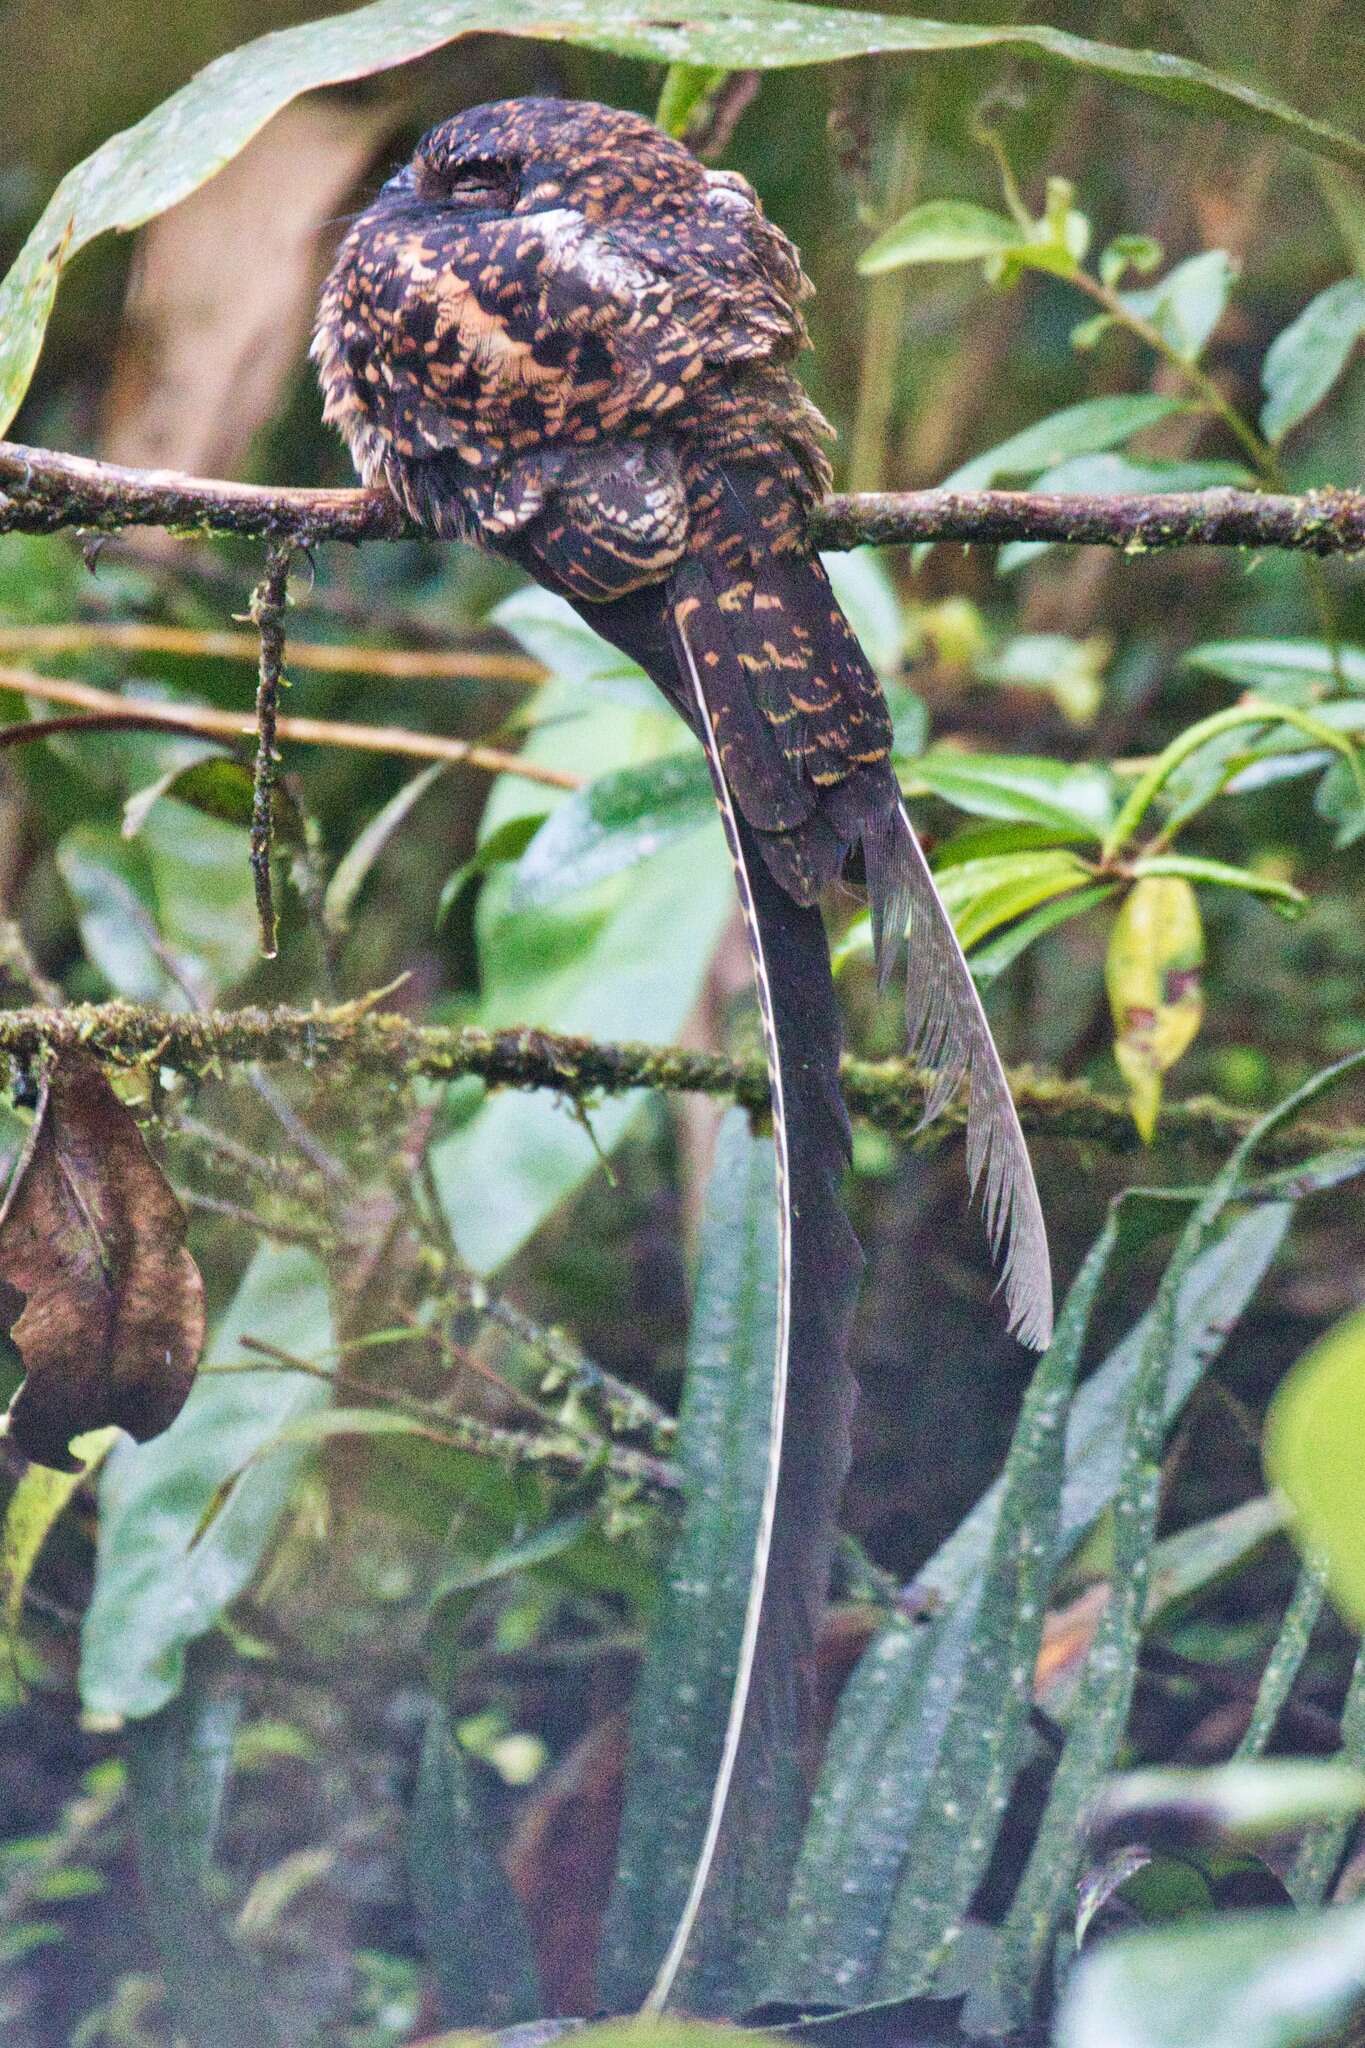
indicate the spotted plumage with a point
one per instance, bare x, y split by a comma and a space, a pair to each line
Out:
557, 336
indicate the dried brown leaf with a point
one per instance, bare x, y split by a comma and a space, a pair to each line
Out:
92, 1235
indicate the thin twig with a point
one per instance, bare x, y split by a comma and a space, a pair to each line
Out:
341, 658
42, 491
312, 732
268, 602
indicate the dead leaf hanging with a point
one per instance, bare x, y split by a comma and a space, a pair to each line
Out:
92, 1235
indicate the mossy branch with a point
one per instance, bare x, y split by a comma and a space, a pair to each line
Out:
888, 1094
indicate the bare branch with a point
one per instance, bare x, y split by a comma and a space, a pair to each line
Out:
42, 492
317, 732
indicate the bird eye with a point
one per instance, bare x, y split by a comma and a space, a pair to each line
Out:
473, 183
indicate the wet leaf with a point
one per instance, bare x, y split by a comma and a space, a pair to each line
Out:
92, 1235
1154, 977
1243, 1980
183, 142
1314, 1445
1304, 362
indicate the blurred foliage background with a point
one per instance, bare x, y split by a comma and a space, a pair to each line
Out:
244, 1713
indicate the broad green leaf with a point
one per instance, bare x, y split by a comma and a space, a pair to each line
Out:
350, 872
1234, 1980
1072, 798
613, 824
941, 231
111, 886
1220, 874
1280, 666
986, 1730
1314, 1447
1186, 305
156, 1591
1088, 428
1235, 1802
593, 964
218, 785
1214, 1294
1283, 1664
1105, 1690
1304, 362
682, 1702
171, 152
1321, 1852
984, 894
183, 885
468, 1919
40, 1497
506, 844
178, 1765
989, 962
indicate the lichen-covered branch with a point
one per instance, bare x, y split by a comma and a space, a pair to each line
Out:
42, 491
887, 1093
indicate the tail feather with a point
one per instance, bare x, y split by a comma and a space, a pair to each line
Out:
950, 1036
819, 1270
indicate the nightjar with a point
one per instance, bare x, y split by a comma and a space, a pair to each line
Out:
556, 335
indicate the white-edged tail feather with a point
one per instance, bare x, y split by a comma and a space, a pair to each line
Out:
950, 1036
763, 1544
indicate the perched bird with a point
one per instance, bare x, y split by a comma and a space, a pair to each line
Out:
557, 336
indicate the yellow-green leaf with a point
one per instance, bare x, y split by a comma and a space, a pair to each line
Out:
1315, 1451
1154, 977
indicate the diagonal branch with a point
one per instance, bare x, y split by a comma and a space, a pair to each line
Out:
42, 491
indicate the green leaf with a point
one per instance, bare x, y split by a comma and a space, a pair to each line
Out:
1280, 666
1236, 1802
983, 894
178, 1764
1220, 874
1215, 1293
40, 1497
1071, 798
941, 231
1304, 362
590, 965
1234, 1980
986, 1728
1186, 305
1085, 429
351, 871
682, 1703
500, 848
469, 1921
613, 824
1314, 1444
1105, 1689
218, 786
185, 890
156, 1591
178, 146
989, 962
1129, 252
